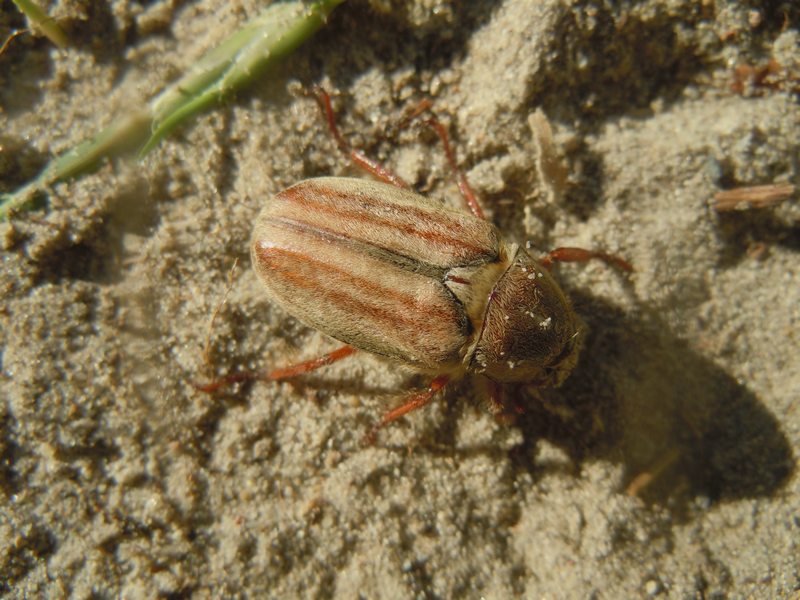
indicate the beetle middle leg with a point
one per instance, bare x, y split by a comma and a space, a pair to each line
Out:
415, 402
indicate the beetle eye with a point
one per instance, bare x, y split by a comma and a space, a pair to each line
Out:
565, 353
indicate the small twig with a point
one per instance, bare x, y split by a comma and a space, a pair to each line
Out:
645, 478
756, 196
14, 35
754, 79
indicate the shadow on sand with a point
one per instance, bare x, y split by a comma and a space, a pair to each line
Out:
643, 397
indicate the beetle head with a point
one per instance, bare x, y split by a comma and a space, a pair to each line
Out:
530, 332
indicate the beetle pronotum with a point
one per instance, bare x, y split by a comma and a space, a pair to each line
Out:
387, 271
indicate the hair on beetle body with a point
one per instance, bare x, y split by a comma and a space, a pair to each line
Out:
387, 271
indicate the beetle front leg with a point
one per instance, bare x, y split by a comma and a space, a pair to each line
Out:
496, 397
416, 401
278, 374
505, 412
583, 255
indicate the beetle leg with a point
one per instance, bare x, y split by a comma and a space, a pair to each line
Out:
416, 401
357, 157
496, 397
504, 413
433, 122
310, 365
463, 185
583, 255
278, 374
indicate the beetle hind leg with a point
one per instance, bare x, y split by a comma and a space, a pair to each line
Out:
467, 193
461, 179
278, 374
358, 158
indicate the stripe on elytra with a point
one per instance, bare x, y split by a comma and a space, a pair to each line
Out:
390, 256
270, 257
356, 214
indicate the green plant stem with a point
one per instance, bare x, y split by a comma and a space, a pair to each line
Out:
238, 61
41, 20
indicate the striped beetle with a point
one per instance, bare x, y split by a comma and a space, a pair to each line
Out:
388, 271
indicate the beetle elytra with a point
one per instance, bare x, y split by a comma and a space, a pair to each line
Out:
388, 271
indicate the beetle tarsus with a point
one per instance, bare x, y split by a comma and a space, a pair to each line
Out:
239, 377
643, 480
376, 169
496, 397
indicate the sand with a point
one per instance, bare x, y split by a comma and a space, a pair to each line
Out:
119, 479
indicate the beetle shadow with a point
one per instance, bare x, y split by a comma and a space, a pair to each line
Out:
681, 426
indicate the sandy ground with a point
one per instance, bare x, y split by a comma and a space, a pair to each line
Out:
118, 479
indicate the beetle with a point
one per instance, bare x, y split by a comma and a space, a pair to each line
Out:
390, 272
